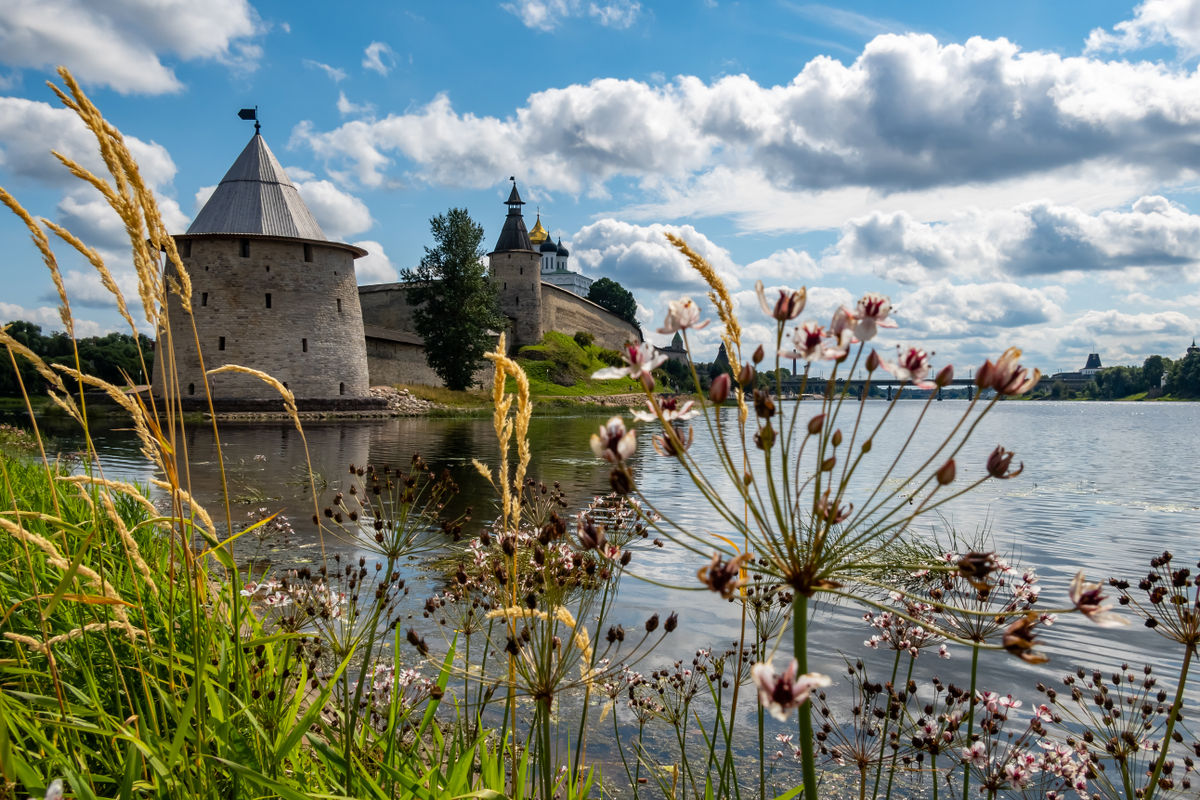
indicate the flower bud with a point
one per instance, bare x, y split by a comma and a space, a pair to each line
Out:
759, 354
999, 461
872, 361
621, 480
765, 439
827, 464
746, 375
747, 478
626, 557
866, 446
672, 622
837, 437
814, 424
719, 390
944, 376
652, 623
945, 474
764, 406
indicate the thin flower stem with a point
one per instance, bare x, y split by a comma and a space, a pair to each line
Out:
883, 736
1176, 709
800, 648
970, 719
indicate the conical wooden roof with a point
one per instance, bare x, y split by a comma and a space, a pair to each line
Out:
256, 198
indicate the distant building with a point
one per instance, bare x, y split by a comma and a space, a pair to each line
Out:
676, 351
1192, 349
554, 262
533, 302
269, 291
1078, 378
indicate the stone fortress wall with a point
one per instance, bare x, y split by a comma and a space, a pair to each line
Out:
568, 312
288, 308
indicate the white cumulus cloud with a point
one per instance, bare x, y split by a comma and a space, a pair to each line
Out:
379, 57
546, 15
123, 43
340, 214
909, 115
375, 266
335, 74
1175, 23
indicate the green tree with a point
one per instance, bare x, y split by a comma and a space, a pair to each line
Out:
609, 294
455, 301
1184, 377
1153, 369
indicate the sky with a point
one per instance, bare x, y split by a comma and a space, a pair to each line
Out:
1020, 173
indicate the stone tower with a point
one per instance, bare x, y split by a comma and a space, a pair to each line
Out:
515, 266
269, 291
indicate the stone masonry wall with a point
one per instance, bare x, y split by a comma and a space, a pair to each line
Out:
568, 312
310, 338
518, 281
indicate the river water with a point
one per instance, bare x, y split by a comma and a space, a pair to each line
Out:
1106, 486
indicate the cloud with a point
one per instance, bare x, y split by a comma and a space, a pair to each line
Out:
945, 310
379, 57
640, 257
1175, 23
375, 266
29, 130
48, 318
340, 214
89, 216
201, 197
336, 75
1033, 239
546, 15
908, 115
347, 108
85, 289
121, 43
791, 266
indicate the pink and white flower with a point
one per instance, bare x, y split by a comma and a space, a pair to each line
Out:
808, 344
787, 307
671, 410
613, 442
779, 694
976, 755
681, 315
1087, 598
640, 361
870, 315
911, 365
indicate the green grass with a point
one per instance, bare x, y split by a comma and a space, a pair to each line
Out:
560, 367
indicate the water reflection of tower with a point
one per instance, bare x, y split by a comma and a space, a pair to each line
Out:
265, 466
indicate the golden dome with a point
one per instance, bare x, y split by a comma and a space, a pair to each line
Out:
538, 234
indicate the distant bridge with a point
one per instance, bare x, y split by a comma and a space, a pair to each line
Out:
792, 386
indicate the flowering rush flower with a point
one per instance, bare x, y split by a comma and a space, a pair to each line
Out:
670, 407
911, 365
1087, 598
613, 442
681, 315
787, 307
808, 344
640, 362
870, 315
1006, 376
779, 694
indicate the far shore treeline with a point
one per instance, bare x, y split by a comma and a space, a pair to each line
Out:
112, 357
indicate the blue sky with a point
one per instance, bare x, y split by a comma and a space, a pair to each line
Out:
1008, 173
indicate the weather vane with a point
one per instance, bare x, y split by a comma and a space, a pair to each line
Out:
250, 113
